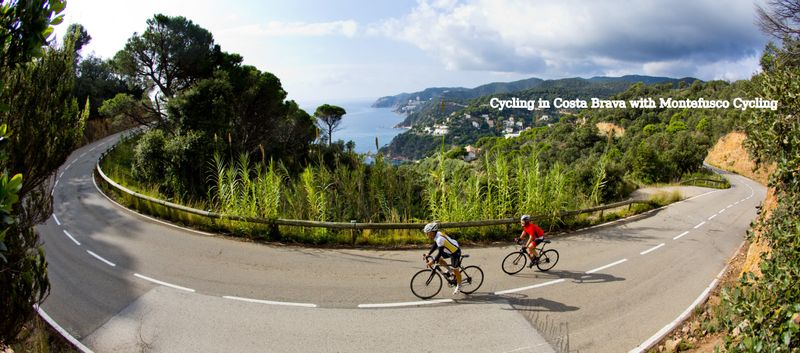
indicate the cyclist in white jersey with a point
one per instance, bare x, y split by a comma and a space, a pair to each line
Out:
447, 249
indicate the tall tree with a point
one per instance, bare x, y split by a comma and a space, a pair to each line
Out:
97, 82
330, 117
781, 19
81, 36
171, 55
24, 29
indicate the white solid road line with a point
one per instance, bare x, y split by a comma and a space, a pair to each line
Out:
71, 237
163, 283
667, 329
701, 195
679, 236
651, 249
395, 305
56, 219
606, 266
61, 330
101, 258
270, 302
700, 225
529, 287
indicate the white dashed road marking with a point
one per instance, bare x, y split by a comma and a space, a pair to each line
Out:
101, 259
606, 266
651, 249
529, 287
700, 225
163, 283
71, 237
270, 302
679, 236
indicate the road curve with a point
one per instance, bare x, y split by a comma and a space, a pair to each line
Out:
124, 282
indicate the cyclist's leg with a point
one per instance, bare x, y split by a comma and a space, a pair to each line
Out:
455, 261
532, 248
534, 244
443, 263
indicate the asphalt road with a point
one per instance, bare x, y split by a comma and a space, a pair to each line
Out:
122, 282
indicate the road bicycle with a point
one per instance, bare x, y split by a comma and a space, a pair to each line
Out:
427, 283
516, 261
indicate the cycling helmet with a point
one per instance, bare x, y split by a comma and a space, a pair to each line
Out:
431, 227
525, 218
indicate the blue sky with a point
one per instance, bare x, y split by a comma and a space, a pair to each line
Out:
340, 50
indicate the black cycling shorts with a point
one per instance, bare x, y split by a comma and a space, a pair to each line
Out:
455, 258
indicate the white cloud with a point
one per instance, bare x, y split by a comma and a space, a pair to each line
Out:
346, 28
572, 37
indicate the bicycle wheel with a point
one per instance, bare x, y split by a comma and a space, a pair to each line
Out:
514, 262
547, 260
471, 279
426, 284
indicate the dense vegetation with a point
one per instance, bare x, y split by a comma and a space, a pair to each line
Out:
454, 108
204, 101
761, 314
40, 124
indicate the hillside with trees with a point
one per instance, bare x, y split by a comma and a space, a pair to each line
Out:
469, 116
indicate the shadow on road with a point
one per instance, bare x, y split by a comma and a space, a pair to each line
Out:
583, 277
539, 305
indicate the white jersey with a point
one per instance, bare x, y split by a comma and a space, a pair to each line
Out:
450, 245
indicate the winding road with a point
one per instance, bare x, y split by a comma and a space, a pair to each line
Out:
122, 282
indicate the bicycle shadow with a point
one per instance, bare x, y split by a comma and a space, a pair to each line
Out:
576, 277
518, 302
583, 277
539, 305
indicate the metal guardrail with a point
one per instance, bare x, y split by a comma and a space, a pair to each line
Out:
342, 225
702, 179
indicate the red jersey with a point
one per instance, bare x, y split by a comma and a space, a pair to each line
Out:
533, 231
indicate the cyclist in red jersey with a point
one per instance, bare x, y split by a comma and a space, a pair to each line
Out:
535, 235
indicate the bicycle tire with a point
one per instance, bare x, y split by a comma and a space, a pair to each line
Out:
514, 262
471, 279
426, 284
547, 260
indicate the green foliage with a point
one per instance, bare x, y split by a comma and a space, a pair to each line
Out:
169, 161
43, 115
97, 82
246, 190
676, 125
763, 308
213, 105
24, 29
204, 107
25, 26
172, 53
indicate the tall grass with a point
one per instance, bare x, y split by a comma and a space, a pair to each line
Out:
246, 190
441, 189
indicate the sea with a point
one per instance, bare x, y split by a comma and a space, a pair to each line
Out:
363, 124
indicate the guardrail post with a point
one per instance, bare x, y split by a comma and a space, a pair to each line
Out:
274, 231
353, 231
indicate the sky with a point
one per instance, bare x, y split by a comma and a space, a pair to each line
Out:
357, 50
